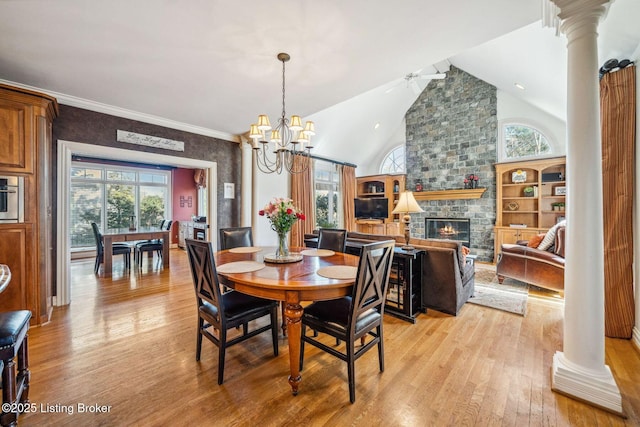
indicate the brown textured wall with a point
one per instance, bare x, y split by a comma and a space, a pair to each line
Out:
89, 127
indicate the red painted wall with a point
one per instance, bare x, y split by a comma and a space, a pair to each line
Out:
185, 199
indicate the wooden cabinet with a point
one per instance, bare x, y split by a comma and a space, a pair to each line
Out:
381, 186
379, 227
27, 248
530, 198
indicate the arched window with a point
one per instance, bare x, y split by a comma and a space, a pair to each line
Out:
394, 162
520, 140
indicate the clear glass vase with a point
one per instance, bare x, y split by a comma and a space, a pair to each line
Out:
283, 245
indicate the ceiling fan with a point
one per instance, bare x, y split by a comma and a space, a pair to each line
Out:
412, 79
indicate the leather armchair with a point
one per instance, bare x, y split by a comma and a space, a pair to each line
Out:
544, 269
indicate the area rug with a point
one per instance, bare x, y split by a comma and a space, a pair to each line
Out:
510, 296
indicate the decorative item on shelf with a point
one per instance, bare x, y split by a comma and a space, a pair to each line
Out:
407, 205
528, 191
396, 187
282, 214
513, 206
558, 206
560, 191
471, 181
519, 176
289, 138
418, 186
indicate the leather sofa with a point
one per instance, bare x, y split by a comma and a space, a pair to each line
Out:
542, 268
448, 276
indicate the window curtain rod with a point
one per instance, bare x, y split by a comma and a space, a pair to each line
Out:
86, 159
335, 162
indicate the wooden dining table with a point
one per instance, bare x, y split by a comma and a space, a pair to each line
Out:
291, 283
130, 236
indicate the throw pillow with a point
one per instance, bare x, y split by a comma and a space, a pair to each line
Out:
535, 241
465, 252
550, 237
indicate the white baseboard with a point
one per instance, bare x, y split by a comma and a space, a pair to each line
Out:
596, 388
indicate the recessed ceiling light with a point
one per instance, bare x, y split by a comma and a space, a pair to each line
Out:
377, 125
519, 86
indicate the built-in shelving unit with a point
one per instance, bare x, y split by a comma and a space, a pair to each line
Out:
382, 186
530, 198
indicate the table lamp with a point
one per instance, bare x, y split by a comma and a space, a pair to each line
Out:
407, 205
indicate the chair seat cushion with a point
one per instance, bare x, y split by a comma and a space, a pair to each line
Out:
12, 323
121, 248
237, 304
335, 313
148, 245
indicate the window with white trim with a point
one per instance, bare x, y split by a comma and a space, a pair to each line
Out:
328, 195
394, 162
523, 141
115, 197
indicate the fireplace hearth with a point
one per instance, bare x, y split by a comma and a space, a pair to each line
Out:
457, 229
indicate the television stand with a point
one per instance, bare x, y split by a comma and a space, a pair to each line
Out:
378, 226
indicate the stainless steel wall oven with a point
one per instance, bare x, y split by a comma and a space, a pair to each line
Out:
11, 199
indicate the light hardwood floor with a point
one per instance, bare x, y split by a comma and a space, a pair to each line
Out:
129, 344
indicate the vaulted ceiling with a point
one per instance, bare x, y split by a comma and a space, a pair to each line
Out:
210, 66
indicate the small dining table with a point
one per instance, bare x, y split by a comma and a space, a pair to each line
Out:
291, 283
129, 236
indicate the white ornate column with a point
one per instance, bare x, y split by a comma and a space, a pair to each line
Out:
579, 371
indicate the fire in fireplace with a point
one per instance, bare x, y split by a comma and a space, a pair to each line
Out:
458, 229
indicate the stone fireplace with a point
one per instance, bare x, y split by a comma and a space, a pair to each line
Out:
456, 229
451, 133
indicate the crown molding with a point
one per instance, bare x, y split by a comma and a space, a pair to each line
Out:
98, 107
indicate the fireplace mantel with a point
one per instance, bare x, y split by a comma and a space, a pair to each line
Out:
467, 193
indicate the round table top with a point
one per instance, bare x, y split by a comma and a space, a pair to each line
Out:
276, 279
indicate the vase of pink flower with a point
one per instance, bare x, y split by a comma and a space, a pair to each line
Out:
471, 181
282, 214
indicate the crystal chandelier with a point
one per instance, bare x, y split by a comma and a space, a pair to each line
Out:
289, 138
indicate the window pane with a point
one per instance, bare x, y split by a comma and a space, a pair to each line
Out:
153, 178
394, 162
120, 206
86, 202
327, 193
152, 206
114, 175
524, 141
86, 173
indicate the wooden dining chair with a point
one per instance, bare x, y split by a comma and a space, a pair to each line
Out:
118, 249
356, 316
223, 311
234, 237
332, 238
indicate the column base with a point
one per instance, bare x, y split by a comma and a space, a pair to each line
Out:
597, 389
636, 337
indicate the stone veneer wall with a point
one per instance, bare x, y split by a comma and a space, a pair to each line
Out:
451, 133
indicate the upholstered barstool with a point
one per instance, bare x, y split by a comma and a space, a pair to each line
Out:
13, 342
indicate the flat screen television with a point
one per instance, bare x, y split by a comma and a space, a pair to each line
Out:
373, 208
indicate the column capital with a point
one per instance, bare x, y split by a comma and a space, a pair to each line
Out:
580, 14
